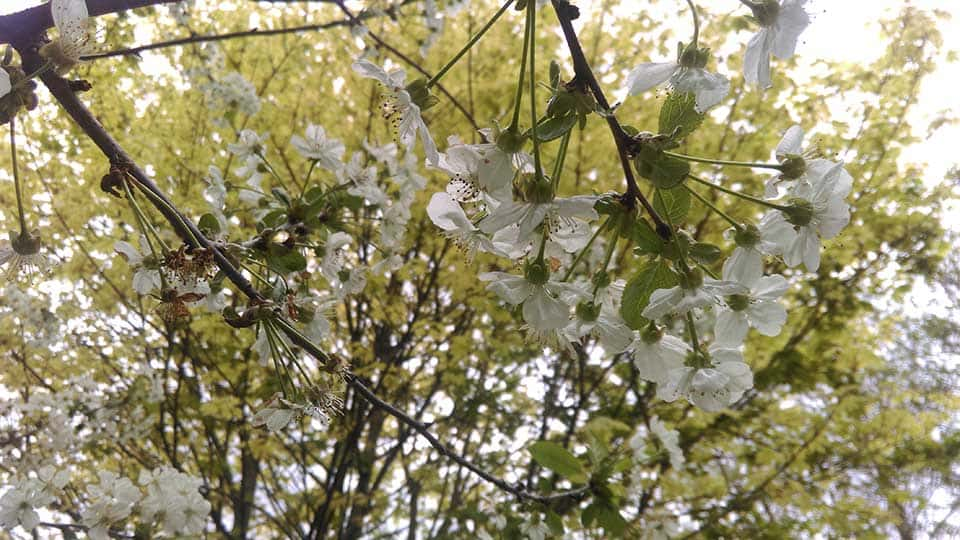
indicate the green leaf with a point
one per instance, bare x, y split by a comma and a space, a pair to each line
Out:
646, 239
705, 253
293, 261
679, 113
610, 519
590, 515
554, 128
209, 225
672, 204
655, 274
559, 460
663, 171
555, 522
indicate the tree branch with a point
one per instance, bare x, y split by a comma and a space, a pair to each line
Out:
566, 13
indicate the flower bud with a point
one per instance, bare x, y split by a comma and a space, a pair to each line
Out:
651, 334
537, 272
691, 279
738, 302
793, 167
510, 141
747, 236
799, 212
588, 311
537, 189
693, 57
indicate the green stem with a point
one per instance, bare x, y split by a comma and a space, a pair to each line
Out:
16, 176
696, 23
608, 254
561, 157
713, 207
514, 124
532, 22
692, 329
743, 196
585, 249
748, 164
158, 201
47, 66
473, 40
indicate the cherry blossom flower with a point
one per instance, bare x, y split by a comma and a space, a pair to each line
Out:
447, 214
326, 151
174, 498
146, 268
708, 88
76, 34
758, 309
712, 387
564, 217
400, 108
498, 167
544, 308
602, 322
656, 354
781, 24
817, 209
670, 438
24, 256
110, 501
697, 293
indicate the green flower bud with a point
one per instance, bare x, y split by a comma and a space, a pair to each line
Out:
588, 311
799, 212
693, 57
691, 279
793, 167
420, 94
747, 236
25, 243
511, 141
537, 189
651, 334
537, 272
738, 302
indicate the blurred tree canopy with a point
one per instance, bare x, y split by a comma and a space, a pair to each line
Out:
850, 429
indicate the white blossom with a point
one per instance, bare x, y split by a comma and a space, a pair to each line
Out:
5, 86
670, 439
565, 219
111, 500
401, 108
76, 34
146, 268
781, 25
713, 387
248, 144
821, 212
326, 151
173, 498
447, 214
544, 308
679, 300
759, 308
709, 88
656, 359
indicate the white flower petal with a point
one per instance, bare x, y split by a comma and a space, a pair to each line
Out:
646, 76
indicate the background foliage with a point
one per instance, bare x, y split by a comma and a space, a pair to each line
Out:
850, 430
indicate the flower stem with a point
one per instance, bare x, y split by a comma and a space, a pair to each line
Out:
692, 330
473, 40
16, 176
743, 196
561, 157
696, 23
532, 24
748, 164
584, 251
608, 254
523, 66
713, 207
